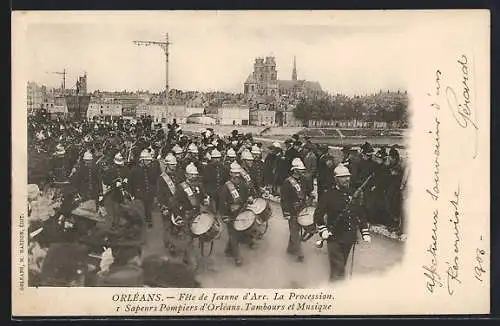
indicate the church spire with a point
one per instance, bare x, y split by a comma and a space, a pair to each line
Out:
294, 72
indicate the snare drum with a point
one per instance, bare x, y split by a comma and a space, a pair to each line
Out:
306, 219
262, 209
206, 227
246, 222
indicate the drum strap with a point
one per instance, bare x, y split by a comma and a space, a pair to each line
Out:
246, 176
296, 186
169, 182
233, 191
190, 194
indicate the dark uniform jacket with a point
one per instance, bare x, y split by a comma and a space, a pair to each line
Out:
60, 169
311, 164
214, 177
254, 191
257, 173
282, 168
87, 181
143, 181
293, 196
290, 154
342, 220
364, 168
270, 163
167, 190
326, 179
233, 198
189, 199
114, 174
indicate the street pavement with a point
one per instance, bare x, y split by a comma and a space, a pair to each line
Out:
269, 266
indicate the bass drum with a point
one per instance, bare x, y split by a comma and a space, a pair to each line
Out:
206, 227
306, 220
261, 208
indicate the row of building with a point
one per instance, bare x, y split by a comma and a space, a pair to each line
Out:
265, 101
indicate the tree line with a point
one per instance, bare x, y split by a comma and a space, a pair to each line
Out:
383, 106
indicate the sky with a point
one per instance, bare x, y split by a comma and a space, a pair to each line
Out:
216, 51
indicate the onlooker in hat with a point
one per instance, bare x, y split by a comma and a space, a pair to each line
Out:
270, 166
283, 166
395, 190
311, 164
326, 164
257, 169
366, 165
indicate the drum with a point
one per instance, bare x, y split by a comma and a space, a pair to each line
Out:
206, 227
262, 209
246, 222
306, 220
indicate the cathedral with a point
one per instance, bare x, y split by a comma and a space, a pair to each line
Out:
263, 83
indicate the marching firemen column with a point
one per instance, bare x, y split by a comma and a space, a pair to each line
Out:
293, 200
233, 200
143, 183
344, 216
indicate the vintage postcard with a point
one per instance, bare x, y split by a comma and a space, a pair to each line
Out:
243, 163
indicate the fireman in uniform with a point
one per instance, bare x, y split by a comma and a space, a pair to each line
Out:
293, 200
143, 182
192, 156
179, 156
167, 192
257, 168
190, 198
116, 178
87, 180
230, 158
233, 200
216, 174
59, 170
246, 166
344, 216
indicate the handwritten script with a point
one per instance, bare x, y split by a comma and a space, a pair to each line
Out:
431, 273
454, 266
461, 108
444, 256
479, 268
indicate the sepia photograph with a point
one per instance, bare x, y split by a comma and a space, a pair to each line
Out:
233, 150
